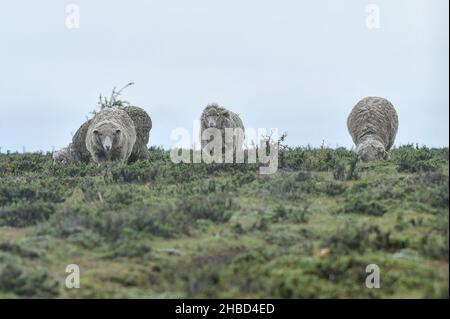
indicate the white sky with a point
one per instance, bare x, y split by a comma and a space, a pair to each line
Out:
299, 66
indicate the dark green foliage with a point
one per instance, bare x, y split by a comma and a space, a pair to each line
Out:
296, 215
18, 250
354, 238
334, 189
414, 159
113, 101
362, 203
348, 172
29, 190
134, 174
339, 171
322, 159
158, 229
352, 173
434, 189
37, 284
25, 213
122, 218
435, 244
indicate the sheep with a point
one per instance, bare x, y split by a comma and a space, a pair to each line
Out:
373, 125
217, 117
77, 150
111, 136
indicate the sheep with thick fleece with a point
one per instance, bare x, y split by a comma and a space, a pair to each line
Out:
77, 150
373, 125
217, 117
111, 136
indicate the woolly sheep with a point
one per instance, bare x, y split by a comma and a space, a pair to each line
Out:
77, 150
373, 125
215, 116
111, 136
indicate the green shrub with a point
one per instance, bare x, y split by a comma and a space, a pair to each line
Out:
334, 189
433, 189
174, 223
339, 171
352, 173
25, 213
30, 284
363, 204
18, 250
435, 244
414, 160
304, 176
157, 220
360, 238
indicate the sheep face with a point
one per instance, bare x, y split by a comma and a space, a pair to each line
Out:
372, 151
211, 121
217, 120
107, 136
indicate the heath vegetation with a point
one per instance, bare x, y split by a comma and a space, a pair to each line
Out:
158, 229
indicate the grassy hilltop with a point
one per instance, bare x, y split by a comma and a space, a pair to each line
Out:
156, 229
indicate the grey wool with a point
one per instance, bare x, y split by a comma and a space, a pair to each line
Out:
111, 136
143, 124
78, 147
77, 151
215, 116
373, 125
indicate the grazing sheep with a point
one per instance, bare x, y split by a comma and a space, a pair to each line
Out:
373, 125
111, 136
78, 149
214, 116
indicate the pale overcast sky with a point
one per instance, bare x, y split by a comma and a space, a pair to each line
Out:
299, 66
